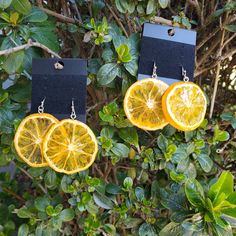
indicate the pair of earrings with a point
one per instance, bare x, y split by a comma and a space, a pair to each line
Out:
68, 146
151, 104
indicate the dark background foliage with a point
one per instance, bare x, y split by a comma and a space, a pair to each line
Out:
142, 183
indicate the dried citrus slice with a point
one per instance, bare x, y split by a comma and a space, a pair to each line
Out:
29, 137
184, 105
142, 104
70, 146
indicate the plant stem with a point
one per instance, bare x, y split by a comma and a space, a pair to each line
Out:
29, 44
31, 177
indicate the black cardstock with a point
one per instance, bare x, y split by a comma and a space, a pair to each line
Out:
170, 53
60, 87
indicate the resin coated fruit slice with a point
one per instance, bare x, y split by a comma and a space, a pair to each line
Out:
70, 146
184, 105
142, 104
29, 138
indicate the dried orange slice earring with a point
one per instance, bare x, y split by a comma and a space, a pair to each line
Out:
184, 104
28, 140
142, 103
70, 146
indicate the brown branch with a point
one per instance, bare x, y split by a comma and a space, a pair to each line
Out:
60, 17
117, 20
220, 59
217, 78
16, 196
206, 39
31, 177
229, 39
163, 21
29, 44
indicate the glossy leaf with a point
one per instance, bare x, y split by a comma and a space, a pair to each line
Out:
163, 3
5, 3
13, 62
103, 201
129, 135
23, 230
205, 162
22, 6
223, 185
67, 215
194, 192
107, 73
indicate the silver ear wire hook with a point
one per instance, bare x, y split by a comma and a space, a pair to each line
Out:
73, 114
184, 74
41, 107
154, 71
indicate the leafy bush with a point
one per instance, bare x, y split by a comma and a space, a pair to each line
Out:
142, 183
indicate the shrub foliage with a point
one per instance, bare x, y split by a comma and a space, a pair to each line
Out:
142, 183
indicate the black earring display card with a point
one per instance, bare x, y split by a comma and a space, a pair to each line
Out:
60, 81
170, 48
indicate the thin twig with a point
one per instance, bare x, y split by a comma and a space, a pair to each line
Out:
217, 78
117, 20
5, 189
31, 177
161, 20
60, 17
29, 44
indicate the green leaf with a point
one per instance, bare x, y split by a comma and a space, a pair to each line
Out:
132, 66
107, 132
147, 230
205, 162
103, 201
113, 188
163, 3
121, 5
45, 35
123, 52
128, 182
13, 62
172, 229
129, 135
50, 179
162, 143
220, 135
107, 73
195, 193
223, 185
132, 222
22, 6
139, 193
5, 3
110, 229
41, 203
23, 212
36, 15
177, 177
23, 230
171, 150
151, 6
120, 150
67, 215
108, 55
230, 28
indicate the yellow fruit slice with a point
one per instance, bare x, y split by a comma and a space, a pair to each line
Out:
70, 146
184, 105
29, 137
142, 104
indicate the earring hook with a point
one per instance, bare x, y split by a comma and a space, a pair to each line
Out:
154, 71
41, 107
73, 114
184, 74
